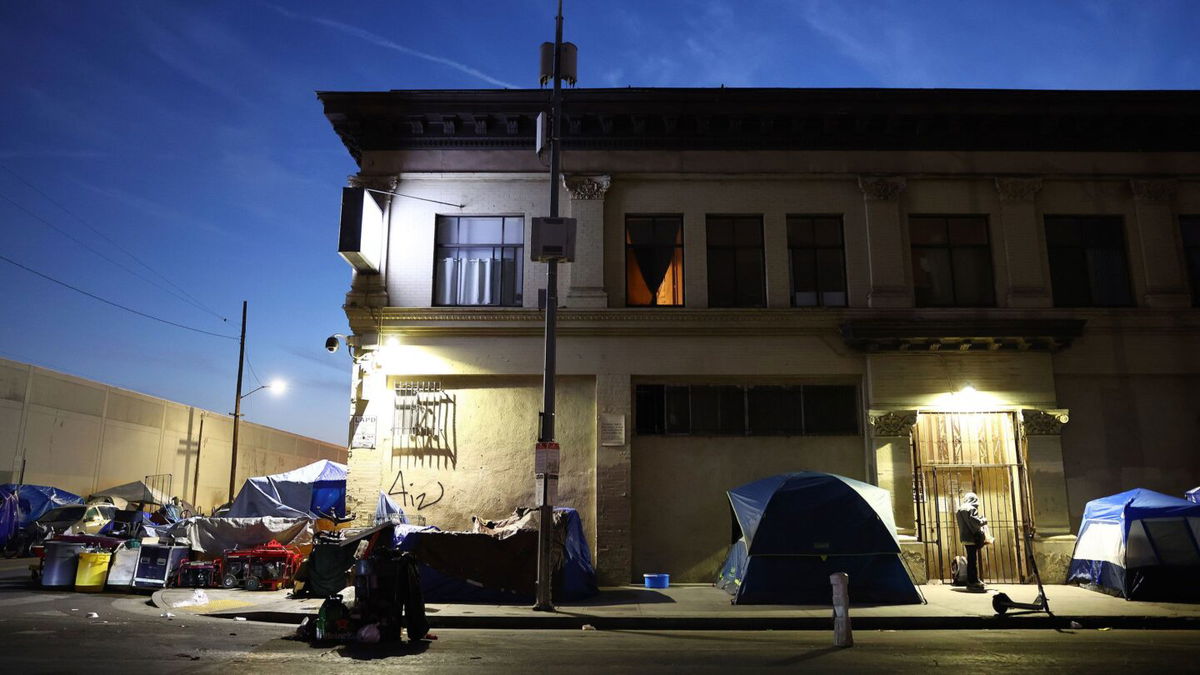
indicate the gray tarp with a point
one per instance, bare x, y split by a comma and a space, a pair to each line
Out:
214, 536
137, 491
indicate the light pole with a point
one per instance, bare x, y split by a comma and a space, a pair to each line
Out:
237, 404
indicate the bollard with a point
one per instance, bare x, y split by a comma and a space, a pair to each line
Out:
842, 635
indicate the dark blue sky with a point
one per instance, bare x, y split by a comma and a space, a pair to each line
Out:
188, 134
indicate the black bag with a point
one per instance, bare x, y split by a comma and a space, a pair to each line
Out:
958, 571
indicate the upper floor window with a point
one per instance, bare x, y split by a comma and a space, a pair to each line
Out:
654, 261
735, 262
817, 255
478, 260
951, 261
1087, 261
735, 410
1190, 229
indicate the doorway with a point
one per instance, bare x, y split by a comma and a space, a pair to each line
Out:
960, 452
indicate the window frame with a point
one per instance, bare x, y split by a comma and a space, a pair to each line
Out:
497, 248
746, 391
1123, 249
820, 291
950, 248
735, 249
679, 254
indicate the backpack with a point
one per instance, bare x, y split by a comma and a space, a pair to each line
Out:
958, 571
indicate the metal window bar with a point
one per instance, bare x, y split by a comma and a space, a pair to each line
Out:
422, 415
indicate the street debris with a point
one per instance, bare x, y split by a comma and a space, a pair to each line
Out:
167, 615
93, 615
1076, 624
588, 626
239, 618
198, 597
1105, 628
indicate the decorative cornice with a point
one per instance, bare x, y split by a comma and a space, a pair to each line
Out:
897, 423
961, 334
881, 189
1154, 191
1045, 422
1018, 189
587, 186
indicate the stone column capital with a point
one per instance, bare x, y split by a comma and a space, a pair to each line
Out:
1153, 191
893, 422
587, 186
881, 188
1047, 422
1018, 189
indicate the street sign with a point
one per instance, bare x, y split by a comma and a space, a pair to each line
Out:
546, 458
545, 484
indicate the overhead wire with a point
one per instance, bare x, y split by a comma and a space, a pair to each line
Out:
114, 304
180, 293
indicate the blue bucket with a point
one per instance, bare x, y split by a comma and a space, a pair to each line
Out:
657, 580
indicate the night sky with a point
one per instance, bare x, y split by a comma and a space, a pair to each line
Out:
171, 157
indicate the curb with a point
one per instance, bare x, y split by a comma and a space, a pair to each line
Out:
714, 623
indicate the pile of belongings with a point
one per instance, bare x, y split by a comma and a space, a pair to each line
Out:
22, 505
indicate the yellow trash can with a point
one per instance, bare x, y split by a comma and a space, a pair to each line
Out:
92, 571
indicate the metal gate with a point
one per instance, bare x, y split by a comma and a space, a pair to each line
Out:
956, 453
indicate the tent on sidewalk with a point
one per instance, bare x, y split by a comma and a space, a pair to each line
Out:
308, 492
1140, 545
791, 531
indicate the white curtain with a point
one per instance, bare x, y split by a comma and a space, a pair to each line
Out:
468, 281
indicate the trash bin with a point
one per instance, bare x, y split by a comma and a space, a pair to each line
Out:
92, 571
60, 563
124, 562
657, 580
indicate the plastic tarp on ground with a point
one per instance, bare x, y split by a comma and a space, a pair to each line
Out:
791, 531
498, 563
20, 505
308, 492
1140, 545
136, 491
385, 508
214, 536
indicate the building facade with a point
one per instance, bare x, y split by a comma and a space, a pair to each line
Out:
934, 291
82, 436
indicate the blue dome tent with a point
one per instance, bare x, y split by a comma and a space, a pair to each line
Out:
310, 491
1139, 545
791, 531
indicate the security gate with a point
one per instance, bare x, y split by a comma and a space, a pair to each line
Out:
956, 453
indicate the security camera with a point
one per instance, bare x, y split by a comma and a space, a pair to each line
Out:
331, 344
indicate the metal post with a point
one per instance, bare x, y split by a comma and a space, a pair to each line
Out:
237, 406
545, 602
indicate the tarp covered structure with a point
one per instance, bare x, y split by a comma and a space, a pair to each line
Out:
1193, 495
791, 531
308, 492
20, 505
214, 536
1140, 545
498, 561
133, 492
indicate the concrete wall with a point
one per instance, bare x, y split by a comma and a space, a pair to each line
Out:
83, 436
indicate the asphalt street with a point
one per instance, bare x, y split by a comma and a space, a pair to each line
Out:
50, 631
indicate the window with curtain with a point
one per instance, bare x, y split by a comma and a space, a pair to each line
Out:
654, 261
817, 256
735, 262
951, 261
1088, 267
1189, 227
478, 260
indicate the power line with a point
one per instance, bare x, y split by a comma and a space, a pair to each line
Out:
181, 294
114, 304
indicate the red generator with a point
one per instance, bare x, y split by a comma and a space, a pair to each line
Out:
267, 567
199, 574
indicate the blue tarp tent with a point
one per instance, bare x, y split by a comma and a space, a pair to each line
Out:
23, 504
1140, 545
307, 492
1193, 495
791, 531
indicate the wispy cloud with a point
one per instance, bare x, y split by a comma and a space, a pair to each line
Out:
388, 44
876, 39
174, 47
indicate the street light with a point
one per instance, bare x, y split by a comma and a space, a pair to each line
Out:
277, 385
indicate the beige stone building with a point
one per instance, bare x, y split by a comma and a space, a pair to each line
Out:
931, 290
82, 436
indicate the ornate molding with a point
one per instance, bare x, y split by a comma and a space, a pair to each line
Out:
1045, 422
893, 422
1153, 191
881, 189
587, 186
1018, 189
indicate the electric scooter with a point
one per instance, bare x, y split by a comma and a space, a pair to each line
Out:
1002, 603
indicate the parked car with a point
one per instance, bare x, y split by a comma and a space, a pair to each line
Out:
76, 519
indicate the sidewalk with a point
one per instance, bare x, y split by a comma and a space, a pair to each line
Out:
703, 607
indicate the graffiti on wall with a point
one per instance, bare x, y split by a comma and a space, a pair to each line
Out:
409, 497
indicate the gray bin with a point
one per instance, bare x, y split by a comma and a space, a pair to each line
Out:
61, 563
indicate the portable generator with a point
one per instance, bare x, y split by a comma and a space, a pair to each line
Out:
198, 574
268, 567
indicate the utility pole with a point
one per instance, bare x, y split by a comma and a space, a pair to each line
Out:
544, 601
237, 406
196, 470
